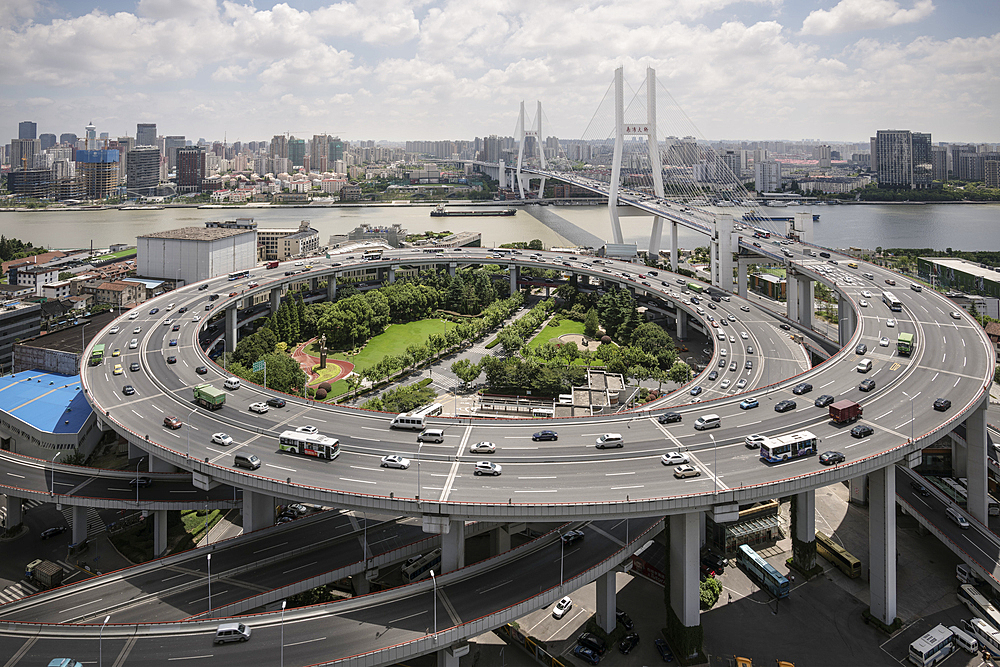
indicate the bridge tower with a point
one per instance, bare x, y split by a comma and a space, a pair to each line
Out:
525, 179
648, 130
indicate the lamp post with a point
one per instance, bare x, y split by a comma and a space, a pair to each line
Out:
83, 338
434, 580
100, 643
911, 414
419, 447
188, 418
283, 603
137, 479
52, 487
715, 466
210, 585
562, 553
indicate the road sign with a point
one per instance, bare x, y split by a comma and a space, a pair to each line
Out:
259, 366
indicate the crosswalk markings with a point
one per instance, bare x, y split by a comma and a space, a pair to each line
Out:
95, 524
23, 589
26, 504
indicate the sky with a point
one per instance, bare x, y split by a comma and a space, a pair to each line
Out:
245, 70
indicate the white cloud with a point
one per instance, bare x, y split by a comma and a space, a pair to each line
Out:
850, 15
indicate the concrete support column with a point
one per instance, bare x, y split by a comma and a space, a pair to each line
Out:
451, 269
792, 294
453, 547
655, 238
975, 437
845, 315
682, 324
673, 246
79, 526
859, 490
804, 226
445, 658
392, 274
331, 287
258, 510
805, 300
685, 592
959, 457
741, 278
157, 464
231, 328
724, 231
159, 533
713, 262
804, 531
499, 540
606, 601
882, 543
14, 514
513, 278
313, 284
360, 585
275, 299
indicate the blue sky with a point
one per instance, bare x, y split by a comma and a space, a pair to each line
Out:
834, 70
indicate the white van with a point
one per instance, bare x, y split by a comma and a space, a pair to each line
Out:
957, 517
707, 421
610, 440
170, 307
864, 365
431, 435
720, 335
966, 641
917, 288
868, 276
232, 632
965, 575
543, 413
231, 383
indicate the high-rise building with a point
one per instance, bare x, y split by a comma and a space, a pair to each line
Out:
27, 129
902, 159
939, 162
171, 144
991, 174
145, 134
767, 176
98, 170
190, 168
47, 141
297, 151
91, 139
279, 146
143, 170
68, 138
22, 153
822, 154
123, 145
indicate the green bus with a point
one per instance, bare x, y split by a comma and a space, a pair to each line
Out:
97, 354
696, 288
905, 344
838, 555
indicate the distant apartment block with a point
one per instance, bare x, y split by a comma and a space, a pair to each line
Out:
767, 176
902, 159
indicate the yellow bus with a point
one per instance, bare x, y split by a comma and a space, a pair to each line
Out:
838, 555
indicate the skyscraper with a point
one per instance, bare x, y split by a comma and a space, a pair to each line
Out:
297, 151
767, 176
171, 144
99, 171
22, 153
143, 170
902, 159
145, 134
47, 141
27, 129
68, 138
190, 168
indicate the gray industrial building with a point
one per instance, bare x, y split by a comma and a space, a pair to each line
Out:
191, 254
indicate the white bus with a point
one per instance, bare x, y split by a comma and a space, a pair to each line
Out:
785, 447
309, 444
979, 605
422, 567
933, 647
416, 419
985, 634
889, 299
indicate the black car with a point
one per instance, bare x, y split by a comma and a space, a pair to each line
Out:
785, 326
276, 402
696, 390
784, 406
824, 255
203, 287
624, 619
862, 431
134, 366
748, 365
831, 458
182, 309
52, 532
942, 404
823, 401
545, 435
919, 489
284, 519
629, 642
201, 370
710, 305
802, 388
572, 536
171, 359
128, 390
866, 385
832, 261
861, 349
593, 642
715, 563
586, 654
176, 327
141, 482
714, 375
663, 650
669, 418
695, 300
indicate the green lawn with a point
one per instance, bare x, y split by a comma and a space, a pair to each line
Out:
550, 332
394, 340
116, 255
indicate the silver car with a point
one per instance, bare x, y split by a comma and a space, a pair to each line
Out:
680, 472
674, 458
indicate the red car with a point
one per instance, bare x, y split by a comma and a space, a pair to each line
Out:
172, 422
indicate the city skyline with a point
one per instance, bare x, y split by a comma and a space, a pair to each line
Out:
759, 70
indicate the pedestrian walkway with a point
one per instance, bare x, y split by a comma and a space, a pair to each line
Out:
95, 524
25, 505
23, 589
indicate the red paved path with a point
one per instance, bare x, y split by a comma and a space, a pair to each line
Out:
307, 361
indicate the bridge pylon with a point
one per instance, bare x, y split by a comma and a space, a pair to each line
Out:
525, 179
645, 129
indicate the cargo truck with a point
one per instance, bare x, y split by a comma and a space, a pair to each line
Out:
209, 397
905, 344
44, 573
845, 412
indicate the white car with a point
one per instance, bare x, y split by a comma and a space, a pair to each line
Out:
745, 309
395, 461
724, 385
674, 458
732, 339
222, 439
115, 329
167, 322
562, 607
680, 472
132, 316
196, 318
259, 408
866, 294
307, 429
723, 352
483, 448
741, 384
488, 468
753, 441
744, 335
731, 318
863, 303
137, 330
890, 323
955, 315
883, 341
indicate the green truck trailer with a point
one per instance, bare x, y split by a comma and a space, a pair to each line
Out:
905, 344
209, 397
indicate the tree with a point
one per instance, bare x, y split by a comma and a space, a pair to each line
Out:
353, 383
650, 337
436, 343
510, 341
590, 325
709, 592
680, 373
466, 371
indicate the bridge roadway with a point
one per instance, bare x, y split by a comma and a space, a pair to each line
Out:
552, 480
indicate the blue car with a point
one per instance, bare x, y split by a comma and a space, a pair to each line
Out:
586, 654
696, 390
545, 435
748, 404
173, 342
664, 650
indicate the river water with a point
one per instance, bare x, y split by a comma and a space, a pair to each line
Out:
939, 226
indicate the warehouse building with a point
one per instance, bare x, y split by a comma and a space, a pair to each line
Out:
191, 254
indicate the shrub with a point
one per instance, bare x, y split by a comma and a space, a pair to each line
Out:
321, 393
325, 386
711, 589
605, 340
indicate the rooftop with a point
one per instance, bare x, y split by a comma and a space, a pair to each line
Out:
197, 233
47, 401
75, 338
971, 268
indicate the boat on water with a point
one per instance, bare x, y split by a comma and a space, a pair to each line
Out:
141, 208
756, 217
442, 212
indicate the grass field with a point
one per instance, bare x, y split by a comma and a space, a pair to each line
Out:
394, 340
550, 332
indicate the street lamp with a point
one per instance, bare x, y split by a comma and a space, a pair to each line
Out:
911, 414
283, 603
715, 466
139, 463
188, 418
562, 552
83, 338
419, 447
52, 488
210, 585
434, 580
100, 643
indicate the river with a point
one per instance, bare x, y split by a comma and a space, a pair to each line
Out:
939, 226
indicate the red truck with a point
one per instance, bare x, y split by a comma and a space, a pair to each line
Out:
845, 412
272, 265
